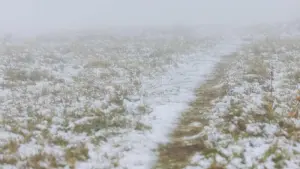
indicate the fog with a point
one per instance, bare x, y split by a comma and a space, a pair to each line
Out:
30, 17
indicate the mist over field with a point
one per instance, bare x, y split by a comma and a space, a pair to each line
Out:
34, 16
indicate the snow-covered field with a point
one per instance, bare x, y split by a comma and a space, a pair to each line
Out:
245, 116
76, 100
108, 100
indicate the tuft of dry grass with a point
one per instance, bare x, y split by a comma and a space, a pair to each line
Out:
11, 147
43, 160
101, 120
60, 141
9, 160
177, 155
142, 127
215, 165
97, 64
270, 151
76, 153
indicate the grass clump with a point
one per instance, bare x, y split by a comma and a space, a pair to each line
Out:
97, 64
270, 151
99, 120
177, 155
76, 153
215, 165
99, 123
14, 74
60, 141
43, 160
9, 160
11, 147
142, 127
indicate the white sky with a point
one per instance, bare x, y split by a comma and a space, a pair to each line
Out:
36, 16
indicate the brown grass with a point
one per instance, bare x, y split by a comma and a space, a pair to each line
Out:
177, 155
10, 160
76, 153
11, 147
40, 158
216, 166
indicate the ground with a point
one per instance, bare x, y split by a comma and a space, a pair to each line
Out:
168, 99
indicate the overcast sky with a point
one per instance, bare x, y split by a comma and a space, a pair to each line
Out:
35, 16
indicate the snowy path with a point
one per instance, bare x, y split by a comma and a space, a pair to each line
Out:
172, 94
246, 116
169, 95
98, 101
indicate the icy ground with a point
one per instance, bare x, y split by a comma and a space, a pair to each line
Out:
104, 101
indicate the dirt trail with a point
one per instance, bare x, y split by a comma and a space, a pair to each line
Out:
177, 153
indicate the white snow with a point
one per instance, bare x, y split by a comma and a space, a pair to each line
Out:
168, 95
132, 76
261, 143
